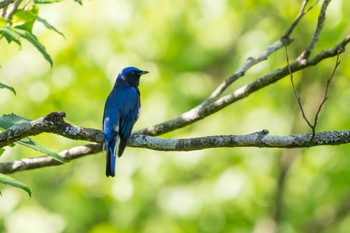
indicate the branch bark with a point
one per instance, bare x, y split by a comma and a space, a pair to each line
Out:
54, 123
47, 161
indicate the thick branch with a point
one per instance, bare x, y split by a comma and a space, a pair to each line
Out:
258, 139
52, 123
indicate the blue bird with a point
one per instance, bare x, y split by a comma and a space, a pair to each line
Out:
122, 109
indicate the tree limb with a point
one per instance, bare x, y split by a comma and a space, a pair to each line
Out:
257, 139
46, 161
52, 123
201, 111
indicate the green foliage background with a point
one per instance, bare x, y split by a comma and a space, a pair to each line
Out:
189, 47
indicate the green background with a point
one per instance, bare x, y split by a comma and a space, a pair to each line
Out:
188, 47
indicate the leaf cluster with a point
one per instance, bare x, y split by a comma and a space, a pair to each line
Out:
17, 20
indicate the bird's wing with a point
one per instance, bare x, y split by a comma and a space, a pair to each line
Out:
111, 116
129, 106
111, 121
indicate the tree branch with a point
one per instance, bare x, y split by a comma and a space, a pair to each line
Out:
321, 19
201, 111
46, 161
257, 139
52, 123
5, 3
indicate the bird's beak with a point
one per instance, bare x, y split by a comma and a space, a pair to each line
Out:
144, 72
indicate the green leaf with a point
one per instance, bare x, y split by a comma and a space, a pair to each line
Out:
32, 39
2, 150
46, 1
10, 181
3, 22
48, 25
8, 87
24, 19
10, 35
7, 120
31, 143
79, 1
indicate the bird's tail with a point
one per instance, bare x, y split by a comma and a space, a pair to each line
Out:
111, 151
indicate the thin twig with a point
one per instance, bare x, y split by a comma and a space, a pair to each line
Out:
320, 23
302, 12
5, 3
13, 10
325, 96
296, 92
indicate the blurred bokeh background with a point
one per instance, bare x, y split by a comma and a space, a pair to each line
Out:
189, 47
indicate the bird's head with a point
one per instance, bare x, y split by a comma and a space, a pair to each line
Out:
132, 75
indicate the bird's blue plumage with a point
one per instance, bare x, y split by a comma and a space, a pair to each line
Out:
120, 114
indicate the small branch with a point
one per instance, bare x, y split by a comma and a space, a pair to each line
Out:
302, 12
297, 95
5, 3
46, 161
13, 10
325, 97
321, 19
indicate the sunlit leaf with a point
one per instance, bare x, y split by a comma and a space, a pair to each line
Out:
10, 35
48, 25
10, 181
7, 87
24, 19
32, 39
2, 22
7, 120
31, 143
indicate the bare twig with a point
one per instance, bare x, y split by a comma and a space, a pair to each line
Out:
302, 12
5, 3
13, 10
325, 96
321, 19
296, 93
